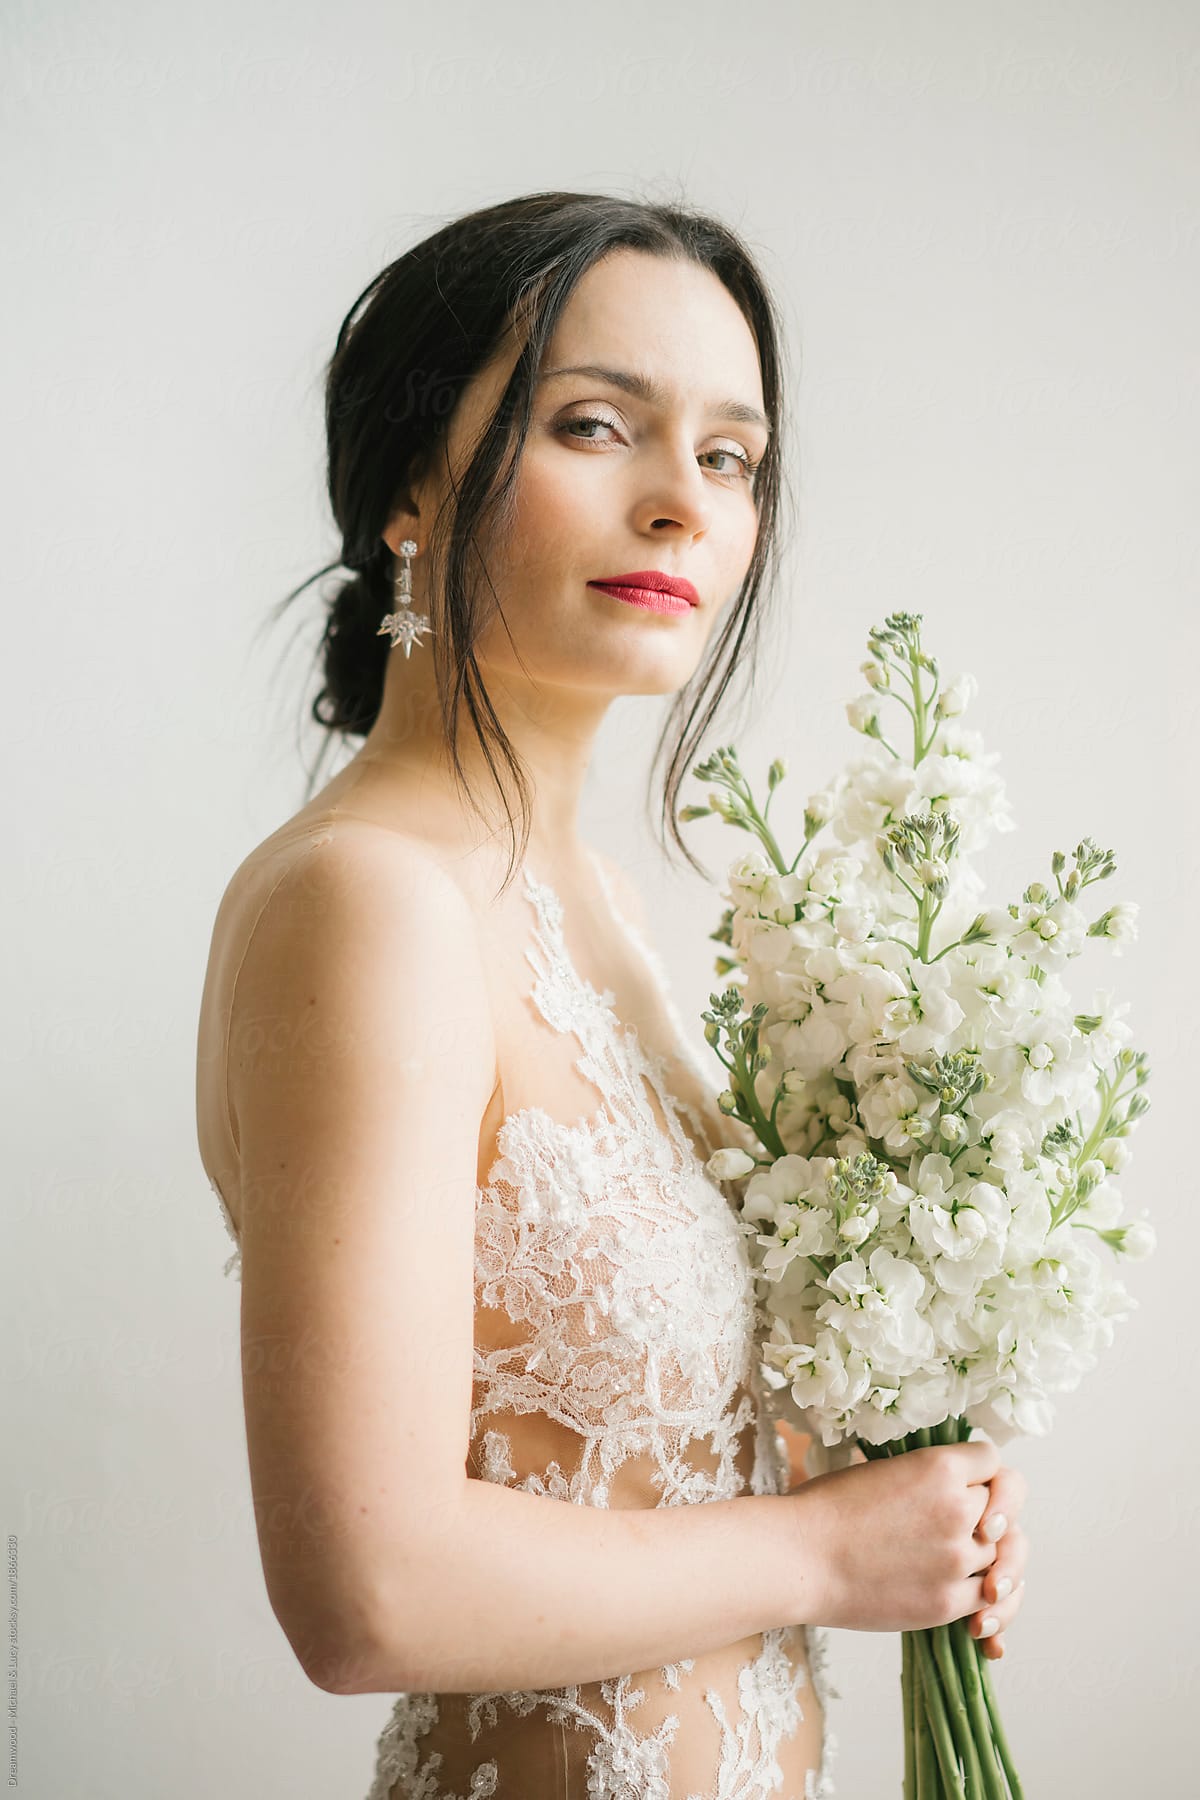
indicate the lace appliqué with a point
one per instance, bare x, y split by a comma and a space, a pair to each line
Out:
626, 1263
624, 1763
397, 1757
234, 1265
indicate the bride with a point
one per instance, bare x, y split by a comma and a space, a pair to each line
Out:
513, 1464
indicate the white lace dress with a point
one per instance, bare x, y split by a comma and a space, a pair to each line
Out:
616, 1310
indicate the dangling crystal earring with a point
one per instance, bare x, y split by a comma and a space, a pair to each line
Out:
404, 625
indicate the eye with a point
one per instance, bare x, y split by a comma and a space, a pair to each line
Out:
747, 465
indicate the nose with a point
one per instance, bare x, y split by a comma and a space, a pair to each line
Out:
675, 498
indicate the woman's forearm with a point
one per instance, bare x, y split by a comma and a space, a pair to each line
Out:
514, 1590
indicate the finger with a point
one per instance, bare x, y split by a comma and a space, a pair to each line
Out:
984, 1557
983, 1458
1007, 1568
993, 1619
1007, 1490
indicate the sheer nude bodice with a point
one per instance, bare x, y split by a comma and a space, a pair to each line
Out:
614, 1365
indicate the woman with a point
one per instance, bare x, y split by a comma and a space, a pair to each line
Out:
498, 1326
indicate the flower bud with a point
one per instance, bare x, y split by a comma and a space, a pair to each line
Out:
1138, 1241
1122, 921
956, 696
863, 714
933, 873
728, 1164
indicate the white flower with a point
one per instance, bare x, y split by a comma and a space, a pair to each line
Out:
862, 711
819, 807
1139, 1240
857, 1227
1051, 1059
956, 696
1121, 921
1110, 1035
853, 923
728, 1164
876, 1307
827, 1376
1113, 1154
949, 1086
809, 1232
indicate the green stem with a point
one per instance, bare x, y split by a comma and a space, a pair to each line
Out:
956, 1708
928, 1783
968, 1656
922, 702
1001, 1742
907, 1699
938, 1721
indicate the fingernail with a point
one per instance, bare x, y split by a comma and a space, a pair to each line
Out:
995, 1527
990, 1624
1003, 1587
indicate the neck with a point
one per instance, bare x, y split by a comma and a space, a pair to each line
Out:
551, 730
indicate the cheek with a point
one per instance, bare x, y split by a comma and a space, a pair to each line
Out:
550, 509
740, 562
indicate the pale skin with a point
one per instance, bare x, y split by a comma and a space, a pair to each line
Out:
649, 490
877, 1546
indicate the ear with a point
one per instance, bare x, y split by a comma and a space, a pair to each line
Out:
404, 521
416, 501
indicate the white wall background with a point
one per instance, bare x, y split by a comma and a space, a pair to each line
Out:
984, 225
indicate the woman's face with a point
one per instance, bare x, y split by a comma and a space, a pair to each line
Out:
612, 482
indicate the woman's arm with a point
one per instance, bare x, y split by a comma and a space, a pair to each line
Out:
361, 1063
503, 1589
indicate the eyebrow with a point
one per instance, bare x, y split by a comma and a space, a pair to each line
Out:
644, 387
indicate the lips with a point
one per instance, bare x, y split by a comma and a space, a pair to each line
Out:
652, 580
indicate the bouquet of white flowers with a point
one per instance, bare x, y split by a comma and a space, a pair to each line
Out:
932, 1129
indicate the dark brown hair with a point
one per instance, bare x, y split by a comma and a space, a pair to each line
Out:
409, 346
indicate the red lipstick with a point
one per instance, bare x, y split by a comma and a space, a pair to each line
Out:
651, 589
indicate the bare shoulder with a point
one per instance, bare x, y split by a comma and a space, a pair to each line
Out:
367, 889
364, 939
383, 871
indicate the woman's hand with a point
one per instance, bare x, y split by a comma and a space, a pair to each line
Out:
1004, 1582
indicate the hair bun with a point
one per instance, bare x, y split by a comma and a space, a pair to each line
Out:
355, 654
